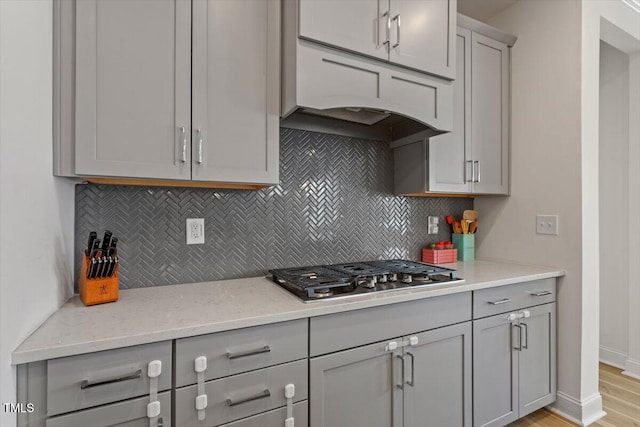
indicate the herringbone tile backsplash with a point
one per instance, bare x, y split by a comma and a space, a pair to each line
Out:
335, 203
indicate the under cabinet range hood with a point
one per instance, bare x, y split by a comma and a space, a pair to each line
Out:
334, 89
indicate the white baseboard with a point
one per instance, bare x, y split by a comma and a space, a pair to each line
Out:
632, 368
612, 357
583, 413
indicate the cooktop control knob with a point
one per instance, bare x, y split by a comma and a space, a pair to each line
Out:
393, 277
406, 278
370, 282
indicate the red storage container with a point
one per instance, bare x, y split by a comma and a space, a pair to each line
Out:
439, 256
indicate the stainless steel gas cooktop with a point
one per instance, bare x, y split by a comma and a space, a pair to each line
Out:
320, 282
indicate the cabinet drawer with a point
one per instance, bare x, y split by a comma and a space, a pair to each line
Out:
276, 418
241, 350
355, 328
487, 302
243, 395
130, 413
87, 380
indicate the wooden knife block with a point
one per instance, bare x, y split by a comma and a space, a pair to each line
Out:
97, 291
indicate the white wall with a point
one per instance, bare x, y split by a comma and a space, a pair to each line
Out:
614, 205
554, 159
618, 24
36, 210
632, 365
545, 167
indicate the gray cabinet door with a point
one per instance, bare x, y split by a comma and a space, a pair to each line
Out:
437, 387
495, 372
538, 359
356, 388
133, 88
449, 164
422, 35
356, 25
490, 113
236, 90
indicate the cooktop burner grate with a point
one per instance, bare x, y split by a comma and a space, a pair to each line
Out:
349, 279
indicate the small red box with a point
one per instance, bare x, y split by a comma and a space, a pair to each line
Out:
439, 256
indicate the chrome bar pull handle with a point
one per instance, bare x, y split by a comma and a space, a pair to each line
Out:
476, 169
469, 175
397, 19
525, 342
540, 293
86, 384
501, 301
265, 393
265, 349
387, 41
413, 369
401, 385
519, 346
387, 17
183, 144
199, 159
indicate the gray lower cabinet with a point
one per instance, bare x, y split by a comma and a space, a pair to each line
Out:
130, 413
426, 381
243, 395
357, 388
514, 364
276, 418
437, 386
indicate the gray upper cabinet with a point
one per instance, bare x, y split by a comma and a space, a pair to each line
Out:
132, 94
474, 157
356, 25
416, 34
236, 90
489, 115
448, 169
168, 90
422, 35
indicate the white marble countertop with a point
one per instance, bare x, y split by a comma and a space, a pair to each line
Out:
168, 312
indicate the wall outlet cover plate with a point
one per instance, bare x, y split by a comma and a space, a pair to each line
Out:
195, 231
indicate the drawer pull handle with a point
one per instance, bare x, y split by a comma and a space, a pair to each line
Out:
541, 293
502, 301
262, 395
265, 349
86, 384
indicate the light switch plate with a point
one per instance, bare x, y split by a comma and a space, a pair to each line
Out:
547, 224
195, 231
432, 227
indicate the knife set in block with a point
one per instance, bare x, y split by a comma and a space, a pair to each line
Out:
99, 282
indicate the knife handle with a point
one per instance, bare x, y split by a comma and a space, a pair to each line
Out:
106, 241
92, 236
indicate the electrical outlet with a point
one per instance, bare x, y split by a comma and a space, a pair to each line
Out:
432, 225
195, 231
547, 224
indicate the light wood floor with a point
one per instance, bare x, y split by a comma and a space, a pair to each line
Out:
620, 399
